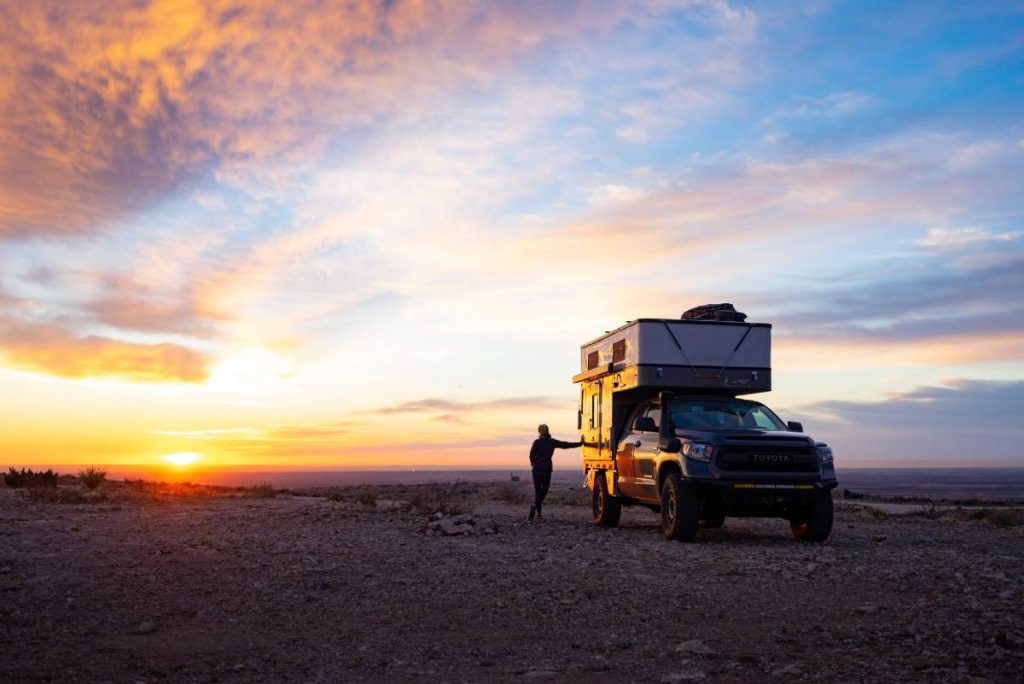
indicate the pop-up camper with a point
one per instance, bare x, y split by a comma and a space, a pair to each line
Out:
664, 426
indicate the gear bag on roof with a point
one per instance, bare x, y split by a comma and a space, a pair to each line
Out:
714, 312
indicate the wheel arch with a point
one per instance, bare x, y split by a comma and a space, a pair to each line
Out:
667, 466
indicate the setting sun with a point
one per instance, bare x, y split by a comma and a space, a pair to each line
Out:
182, 458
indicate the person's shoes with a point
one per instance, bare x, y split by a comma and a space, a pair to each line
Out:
533, 512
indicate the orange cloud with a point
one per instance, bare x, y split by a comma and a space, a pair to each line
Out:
106, 107
52, 350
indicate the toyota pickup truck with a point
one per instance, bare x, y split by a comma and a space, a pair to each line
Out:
664, 425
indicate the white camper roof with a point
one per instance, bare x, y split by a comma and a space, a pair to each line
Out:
729, 356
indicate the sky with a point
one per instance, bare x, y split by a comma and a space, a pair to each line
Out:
316, 235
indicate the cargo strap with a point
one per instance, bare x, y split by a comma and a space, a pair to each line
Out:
686, 358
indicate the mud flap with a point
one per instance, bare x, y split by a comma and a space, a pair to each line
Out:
610, 480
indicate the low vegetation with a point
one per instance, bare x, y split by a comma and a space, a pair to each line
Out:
449, 499
92, 478
17, 479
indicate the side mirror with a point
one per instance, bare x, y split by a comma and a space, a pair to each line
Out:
645, 424
667, 440
672, 445
794, 426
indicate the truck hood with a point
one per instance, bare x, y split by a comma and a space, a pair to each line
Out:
742, 434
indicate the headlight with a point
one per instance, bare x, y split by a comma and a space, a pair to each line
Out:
697, 451
825, 453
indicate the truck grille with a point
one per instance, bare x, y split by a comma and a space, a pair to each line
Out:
768, 458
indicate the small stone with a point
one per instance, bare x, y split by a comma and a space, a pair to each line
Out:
868, 609
145, 627
694, 646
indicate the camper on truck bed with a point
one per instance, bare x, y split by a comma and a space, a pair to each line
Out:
663, 426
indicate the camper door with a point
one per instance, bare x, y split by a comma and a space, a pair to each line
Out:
592, 414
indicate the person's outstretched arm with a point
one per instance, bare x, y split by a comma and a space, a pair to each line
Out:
567, 445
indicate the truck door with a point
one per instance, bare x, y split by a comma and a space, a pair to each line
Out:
624, 455
645, 453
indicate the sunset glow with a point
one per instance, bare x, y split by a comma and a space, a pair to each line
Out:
308, 235
181, 458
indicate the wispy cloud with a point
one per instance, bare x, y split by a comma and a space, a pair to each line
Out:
437, 405
958, 238
120, 104
53, 350
962, 422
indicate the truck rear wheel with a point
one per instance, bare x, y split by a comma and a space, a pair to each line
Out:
606, 508
680, 510
815, 523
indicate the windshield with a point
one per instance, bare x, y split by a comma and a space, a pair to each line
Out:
724, 413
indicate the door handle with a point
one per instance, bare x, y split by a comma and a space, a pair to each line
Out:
636, 443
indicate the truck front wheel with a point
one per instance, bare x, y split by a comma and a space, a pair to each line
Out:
815, 522
680, 510
606, 508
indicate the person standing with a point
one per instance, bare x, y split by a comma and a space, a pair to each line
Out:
540, 462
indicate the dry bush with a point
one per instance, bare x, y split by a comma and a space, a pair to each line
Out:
27, 478
61, 495
445, 499
367, 498
999, 517
511, 492
571, 496
261, 490
92, 478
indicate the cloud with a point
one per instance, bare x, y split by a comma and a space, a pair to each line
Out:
958, 405
832, 105
449, 406
957, 238
51, 349
963, 422
915, 304
107, 108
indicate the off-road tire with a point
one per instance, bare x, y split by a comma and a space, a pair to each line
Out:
713, 519
815, 523
680, 510
606, 509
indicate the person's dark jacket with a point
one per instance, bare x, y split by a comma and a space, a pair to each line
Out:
543, 448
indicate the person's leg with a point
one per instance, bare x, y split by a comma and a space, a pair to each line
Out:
543, 484
538, 495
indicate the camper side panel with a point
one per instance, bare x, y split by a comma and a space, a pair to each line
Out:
704, 344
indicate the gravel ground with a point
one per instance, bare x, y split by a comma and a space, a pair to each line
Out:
304, 588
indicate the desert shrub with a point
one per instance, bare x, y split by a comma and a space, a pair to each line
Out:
366, 497
441, 499
28, 478
1002, 517
59, 495
876, 513
336, 497
261, 490
511, 492
91, 477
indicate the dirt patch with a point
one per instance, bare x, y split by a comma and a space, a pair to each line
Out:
305, 588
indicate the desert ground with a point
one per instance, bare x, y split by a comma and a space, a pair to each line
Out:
151, 583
